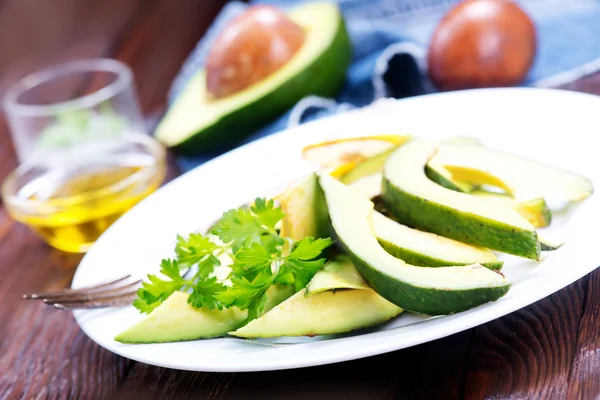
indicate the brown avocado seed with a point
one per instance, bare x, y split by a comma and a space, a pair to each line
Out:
250, 48
482, 43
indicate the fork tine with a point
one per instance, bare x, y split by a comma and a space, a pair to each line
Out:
89, 296
111, 301
86, 289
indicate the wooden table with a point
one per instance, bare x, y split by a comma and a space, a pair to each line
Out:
548, 350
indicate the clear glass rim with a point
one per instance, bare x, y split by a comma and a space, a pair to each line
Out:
124, 78
155, 148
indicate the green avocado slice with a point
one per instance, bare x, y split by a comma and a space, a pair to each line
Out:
336, 300
373, 166
368, 167
418, 202
432, 291
535, 211
426, 249
305, 216
196, 122
175, 320
338, 273
326, 313
522, 178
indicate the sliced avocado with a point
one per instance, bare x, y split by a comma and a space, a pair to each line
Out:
175, 320
426, 249
418, 247
536, 211
336, 300
360, 174
419, 203
303, 214
196, 122
549, 244
440, 175
522, 178
326, 313
368, 167
338, 273
432, 291
369, 186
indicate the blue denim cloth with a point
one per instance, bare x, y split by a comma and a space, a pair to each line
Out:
390, 39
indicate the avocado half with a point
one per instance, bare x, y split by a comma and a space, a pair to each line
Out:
196, 122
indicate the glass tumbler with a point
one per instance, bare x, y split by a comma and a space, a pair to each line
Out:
84, 156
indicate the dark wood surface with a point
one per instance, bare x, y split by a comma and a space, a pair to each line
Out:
549, 350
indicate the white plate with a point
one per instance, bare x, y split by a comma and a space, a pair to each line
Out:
558, 127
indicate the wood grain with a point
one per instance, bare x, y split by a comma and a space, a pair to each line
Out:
549, 350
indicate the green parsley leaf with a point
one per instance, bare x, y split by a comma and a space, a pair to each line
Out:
300, 262
259, 262
170, 269
246, 295
285, 277
268, 214
243, 226
153, 293
144, 306
207, 266
204, 294
253, 260
309, 248
193, 249
302, 271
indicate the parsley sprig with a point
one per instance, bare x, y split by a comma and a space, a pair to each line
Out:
261, 258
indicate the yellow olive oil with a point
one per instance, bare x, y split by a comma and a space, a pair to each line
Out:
70, 211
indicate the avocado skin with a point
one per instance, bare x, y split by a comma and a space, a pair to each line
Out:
323, 76
421, 260
424, 300
441, 180
420, 214
536, 212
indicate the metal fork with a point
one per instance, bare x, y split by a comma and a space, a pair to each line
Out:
115, 293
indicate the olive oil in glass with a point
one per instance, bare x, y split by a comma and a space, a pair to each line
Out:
71, 207
84, 157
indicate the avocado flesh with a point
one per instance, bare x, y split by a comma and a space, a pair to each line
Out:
440, 175
302, 206
339, 273
426, 249
370, 166
416, 201
304, 216
196, 122
374, 165
336, 300
366, 178
432, 291
535, 211
522, 178
325, 313
175, 320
